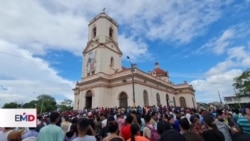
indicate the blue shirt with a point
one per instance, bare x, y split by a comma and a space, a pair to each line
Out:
30, 133
244, 125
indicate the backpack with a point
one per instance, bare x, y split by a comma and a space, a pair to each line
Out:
154, 134
225, 130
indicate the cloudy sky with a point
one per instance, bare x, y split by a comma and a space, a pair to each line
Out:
41, 42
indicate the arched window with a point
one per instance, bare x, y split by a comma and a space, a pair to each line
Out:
123, 100
111, 62
167, 99
193, 102
174, 101
158, 99
94, 32
182, 102
145, 98
111, 32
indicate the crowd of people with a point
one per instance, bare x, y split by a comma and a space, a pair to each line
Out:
137, 124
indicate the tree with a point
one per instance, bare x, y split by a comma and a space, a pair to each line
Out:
66, 102
65, 105
242, 83
31, 104
11, 105
46, 103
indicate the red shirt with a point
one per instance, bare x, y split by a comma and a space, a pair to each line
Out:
125, 132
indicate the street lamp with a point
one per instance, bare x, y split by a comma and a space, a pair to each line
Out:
133, 66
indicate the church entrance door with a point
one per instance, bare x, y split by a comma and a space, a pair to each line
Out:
123, 100
88, 101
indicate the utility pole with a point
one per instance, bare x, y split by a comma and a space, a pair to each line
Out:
41, 107
133, 67
238, 97
220, 97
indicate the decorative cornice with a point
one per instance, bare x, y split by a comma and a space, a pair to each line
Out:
85, 51
110, 82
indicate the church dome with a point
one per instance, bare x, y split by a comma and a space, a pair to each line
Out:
158, 71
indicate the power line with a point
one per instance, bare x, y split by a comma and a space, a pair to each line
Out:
6, 53
67, 68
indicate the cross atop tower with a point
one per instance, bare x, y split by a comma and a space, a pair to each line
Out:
103, 10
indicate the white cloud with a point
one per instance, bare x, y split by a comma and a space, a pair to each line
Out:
221, 67
133, 49
41, 25
219, 44
23, 77
220, 77
207, 89
228, 38
32, 27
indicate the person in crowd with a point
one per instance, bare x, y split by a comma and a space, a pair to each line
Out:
165, 117
30, 133
142, 123
98, 126
120, 120
148, 126
113, 129
244, 122
136, 118
196, 126
162, 127
211, 132
41, 124
174, 123
72, 133
126, 130
104, 119
104, 132
135, 134
65, 125
154, 119
240, 136
51, 132
5, 133
223, 127
14, 136
172, 135
185, 131
82, 127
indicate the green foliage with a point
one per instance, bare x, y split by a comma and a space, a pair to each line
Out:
65, 105
242, 83
31, 104
11, 105
44, 103
64, 108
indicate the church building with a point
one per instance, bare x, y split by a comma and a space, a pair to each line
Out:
106, 83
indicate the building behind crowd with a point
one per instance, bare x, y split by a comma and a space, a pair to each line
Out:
106, 83
236, 101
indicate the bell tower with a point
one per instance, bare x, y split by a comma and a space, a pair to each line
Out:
102, 53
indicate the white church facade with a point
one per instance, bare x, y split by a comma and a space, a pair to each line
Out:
106, 83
